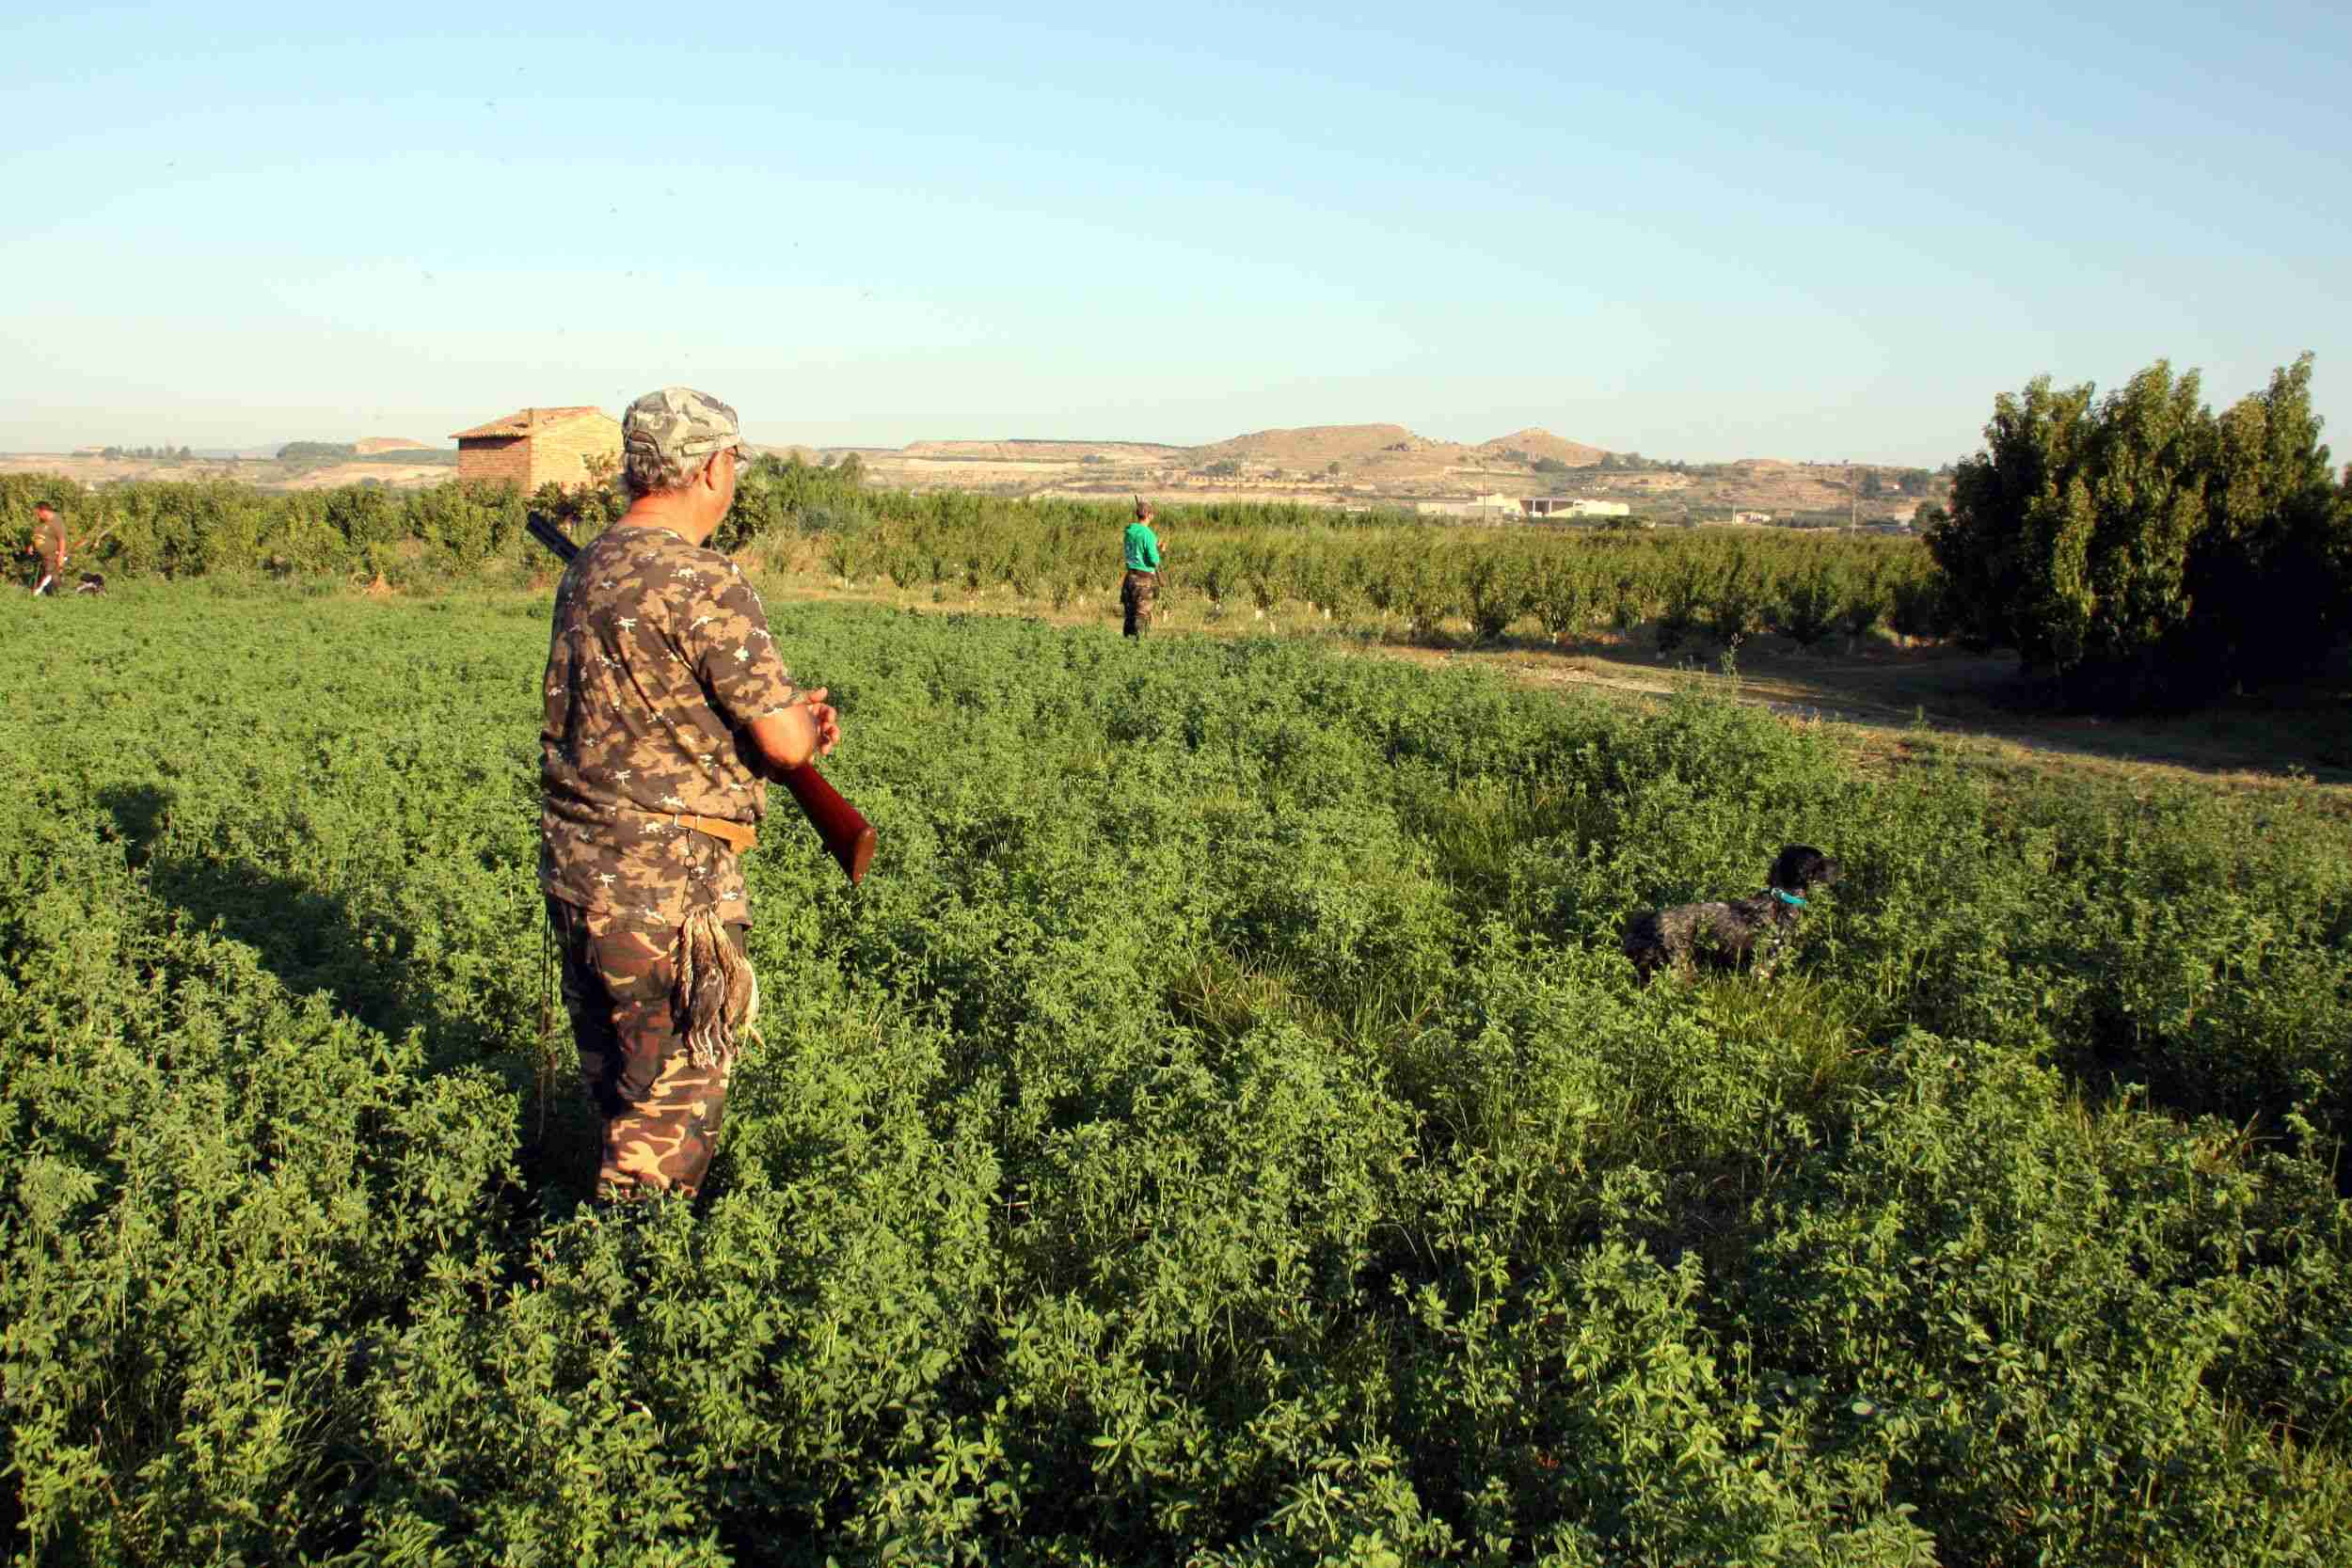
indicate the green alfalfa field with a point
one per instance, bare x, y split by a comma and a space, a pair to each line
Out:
1221, 1129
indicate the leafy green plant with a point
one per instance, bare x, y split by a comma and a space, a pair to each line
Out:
1494, 597
1221, 1128
1809, 604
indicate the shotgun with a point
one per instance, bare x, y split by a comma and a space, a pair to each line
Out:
93, 539
848, 838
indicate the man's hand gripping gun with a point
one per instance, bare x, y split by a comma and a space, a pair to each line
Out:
848, 838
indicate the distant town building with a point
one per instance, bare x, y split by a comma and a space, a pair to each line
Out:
1497, 505
532, 446
1572, 506
1757, 519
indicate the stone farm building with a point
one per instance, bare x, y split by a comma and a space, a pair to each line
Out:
532, 446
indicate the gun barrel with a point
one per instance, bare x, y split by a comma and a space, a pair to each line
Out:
554, 538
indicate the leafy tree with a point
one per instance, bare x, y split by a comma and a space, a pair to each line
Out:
2272, 567
2136, 549
364, 515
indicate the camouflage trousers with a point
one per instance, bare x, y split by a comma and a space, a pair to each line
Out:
660, 1111
1134, 597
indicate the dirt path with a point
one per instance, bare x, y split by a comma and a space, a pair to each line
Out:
2289, 743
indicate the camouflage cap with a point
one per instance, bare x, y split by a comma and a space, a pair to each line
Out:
677, 423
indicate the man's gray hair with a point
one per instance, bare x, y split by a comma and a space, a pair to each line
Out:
652, 473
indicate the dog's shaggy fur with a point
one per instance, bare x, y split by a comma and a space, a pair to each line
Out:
1751, 931
91, 583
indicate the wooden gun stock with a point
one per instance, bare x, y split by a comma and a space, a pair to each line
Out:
847, 836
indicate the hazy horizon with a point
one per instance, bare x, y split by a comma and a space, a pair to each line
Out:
1695, 235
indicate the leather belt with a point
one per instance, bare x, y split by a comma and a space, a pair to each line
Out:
741, 836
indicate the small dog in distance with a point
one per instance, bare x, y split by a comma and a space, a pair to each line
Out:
1745, 931
91, 582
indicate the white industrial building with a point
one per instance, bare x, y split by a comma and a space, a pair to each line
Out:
1572, 506
1492, 506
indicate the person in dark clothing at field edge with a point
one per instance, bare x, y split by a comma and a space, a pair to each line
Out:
48, 547
1142, 583
667, 710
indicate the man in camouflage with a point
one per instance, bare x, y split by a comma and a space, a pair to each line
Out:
667, 709
48, 547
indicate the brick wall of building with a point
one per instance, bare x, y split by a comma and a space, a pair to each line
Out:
498, 459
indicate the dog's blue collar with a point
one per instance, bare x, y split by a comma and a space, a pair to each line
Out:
1789, 898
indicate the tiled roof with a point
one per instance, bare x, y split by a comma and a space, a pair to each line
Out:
522, 421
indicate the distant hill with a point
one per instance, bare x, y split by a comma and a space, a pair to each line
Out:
1543, 443
1021, 450
1330, 465
1313, 444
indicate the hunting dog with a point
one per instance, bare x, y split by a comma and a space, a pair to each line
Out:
1746, 931
91, 583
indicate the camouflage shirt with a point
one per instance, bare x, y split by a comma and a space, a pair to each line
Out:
49, 541
659, 654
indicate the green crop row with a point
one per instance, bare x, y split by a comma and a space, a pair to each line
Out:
1221, 1128
1426, 582
444, 534
1380, 573
1375, 571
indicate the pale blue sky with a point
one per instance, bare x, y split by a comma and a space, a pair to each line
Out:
1693, 233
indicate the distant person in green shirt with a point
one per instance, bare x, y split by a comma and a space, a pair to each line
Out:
1142, 584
